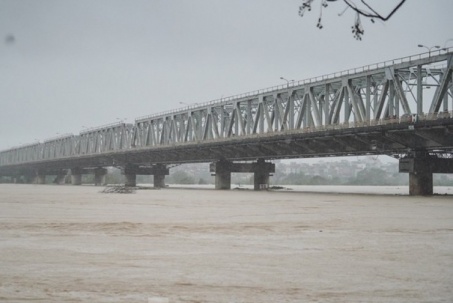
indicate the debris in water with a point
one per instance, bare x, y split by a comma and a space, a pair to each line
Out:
119, 190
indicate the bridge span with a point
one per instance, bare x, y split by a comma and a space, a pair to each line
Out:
401, 108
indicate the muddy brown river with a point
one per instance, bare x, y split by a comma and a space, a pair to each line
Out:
75, 244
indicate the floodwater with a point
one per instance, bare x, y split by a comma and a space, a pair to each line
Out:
75, 244
336, 189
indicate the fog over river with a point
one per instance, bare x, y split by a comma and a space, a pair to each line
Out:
76, 244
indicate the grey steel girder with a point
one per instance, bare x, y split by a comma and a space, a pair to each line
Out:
391, 92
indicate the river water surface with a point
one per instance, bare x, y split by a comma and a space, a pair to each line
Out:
75, 244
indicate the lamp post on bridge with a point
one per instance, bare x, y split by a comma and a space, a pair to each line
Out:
429, 48
287, 81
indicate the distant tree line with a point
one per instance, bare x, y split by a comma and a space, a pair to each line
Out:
368, 176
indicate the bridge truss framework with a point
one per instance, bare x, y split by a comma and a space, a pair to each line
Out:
401, 107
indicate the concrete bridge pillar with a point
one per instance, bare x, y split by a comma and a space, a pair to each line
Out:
28, 179
222, 170
76, 176
76, 179
60, 179
159, 171
131, 180
99, 176
421, 169
261, 174
130, 174
39, 179
159, 181
421, 183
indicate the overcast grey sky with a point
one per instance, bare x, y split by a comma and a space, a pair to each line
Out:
84, 63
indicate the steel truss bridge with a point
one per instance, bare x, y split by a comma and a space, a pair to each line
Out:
401, 108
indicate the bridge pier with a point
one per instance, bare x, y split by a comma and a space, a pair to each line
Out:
421, 183
39, 179
99, 176
262, 174
159, 171
76, 176
421, 169
28, 178
60, 179
76, 179
131, 180
223, 170
39, 176
159, 181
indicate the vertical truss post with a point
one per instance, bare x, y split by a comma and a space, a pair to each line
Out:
391, 102
307, 105
249, 122
419, 90
397, 101
368, 99
237, 116
260, 114
276, 112
445, 106
291, 109
347, 110
322, 101
327, 105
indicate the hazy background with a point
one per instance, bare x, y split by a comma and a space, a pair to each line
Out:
66, 65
